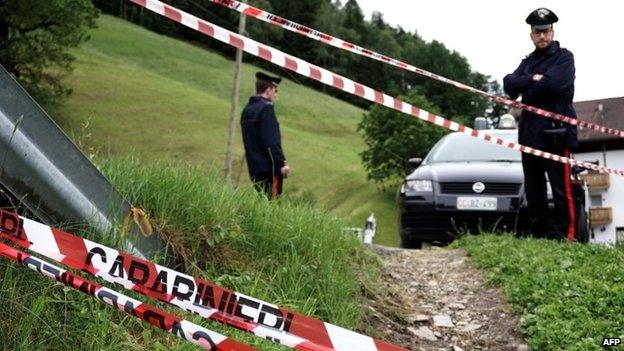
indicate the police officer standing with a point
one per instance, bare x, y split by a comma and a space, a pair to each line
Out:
545, 79
261, 135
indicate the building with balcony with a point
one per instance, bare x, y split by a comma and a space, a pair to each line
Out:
606, 191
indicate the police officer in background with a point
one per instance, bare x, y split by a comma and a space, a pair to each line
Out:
261, 135
545, 79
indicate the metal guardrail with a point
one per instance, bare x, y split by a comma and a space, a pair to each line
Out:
46, 172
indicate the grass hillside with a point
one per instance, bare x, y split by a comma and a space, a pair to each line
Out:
142, 94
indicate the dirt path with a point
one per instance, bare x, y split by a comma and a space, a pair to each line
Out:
434, 299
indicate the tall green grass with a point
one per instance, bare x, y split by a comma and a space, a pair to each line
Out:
285, 252
570, 296
38, 314
290, 254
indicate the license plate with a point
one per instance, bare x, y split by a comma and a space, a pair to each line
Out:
477, 203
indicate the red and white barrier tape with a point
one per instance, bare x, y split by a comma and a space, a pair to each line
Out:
192, 294
339, 82
200, 336
345, 45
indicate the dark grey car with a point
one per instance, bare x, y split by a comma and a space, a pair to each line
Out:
464, 184
470, 185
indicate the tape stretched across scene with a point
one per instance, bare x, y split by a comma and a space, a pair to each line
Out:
358, 50
326, 77
192, 294
200, 336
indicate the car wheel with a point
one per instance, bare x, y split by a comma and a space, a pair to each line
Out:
411, 243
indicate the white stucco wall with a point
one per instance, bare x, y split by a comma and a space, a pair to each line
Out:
612, 197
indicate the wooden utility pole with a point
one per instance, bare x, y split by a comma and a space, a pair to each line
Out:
234, 106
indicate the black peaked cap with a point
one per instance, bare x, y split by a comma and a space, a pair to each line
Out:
268, 78
541, 18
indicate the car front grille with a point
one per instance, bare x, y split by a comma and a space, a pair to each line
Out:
461, 222
490, 188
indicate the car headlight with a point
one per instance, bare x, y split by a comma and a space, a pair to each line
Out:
421, 186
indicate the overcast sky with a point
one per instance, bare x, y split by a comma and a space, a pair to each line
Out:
493, 36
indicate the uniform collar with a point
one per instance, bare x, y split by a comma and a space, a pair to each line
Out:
259, 98
551, 49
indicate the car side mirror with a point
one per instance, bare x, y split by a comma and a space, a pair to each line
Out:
414, 161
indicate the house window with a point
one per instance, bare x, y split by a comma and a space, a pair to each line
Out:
619, 236
596, 200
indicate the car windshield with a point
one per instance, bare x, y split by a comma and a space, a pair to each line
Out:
462, 148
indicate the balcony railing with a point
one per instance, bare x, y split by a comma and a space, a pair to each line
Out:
600, 216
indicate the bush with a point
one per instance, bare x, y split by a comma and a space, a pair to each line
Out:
392, 137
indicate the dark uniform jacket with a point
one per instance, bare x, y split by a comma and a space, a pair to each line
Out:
554, 92
261, 136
